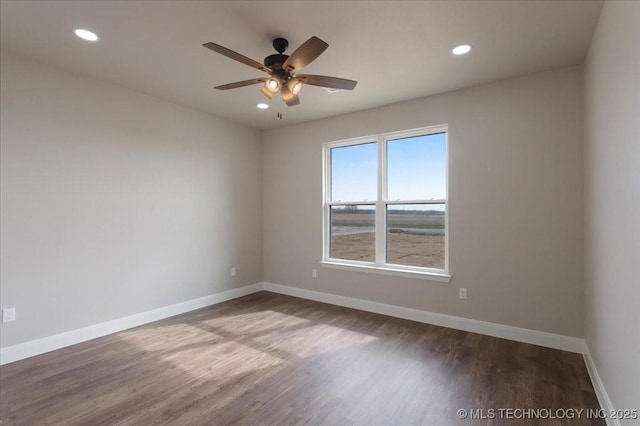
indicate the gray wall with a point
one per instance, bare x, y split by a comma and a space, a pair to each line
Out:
515, 200
612, 202
115, 203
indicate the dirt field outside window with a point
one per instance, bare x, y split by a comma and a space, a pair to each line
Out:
412, 239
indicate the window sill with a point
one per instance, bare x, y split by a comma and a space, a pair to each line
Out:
429, 276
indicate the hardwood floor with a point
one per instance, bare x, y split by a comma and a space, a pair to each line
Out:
270, 359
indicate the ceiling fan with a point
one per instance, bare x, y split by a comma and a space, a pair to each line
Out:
283, 70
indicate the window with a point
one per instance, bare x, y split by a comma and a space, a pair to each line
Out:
385, 203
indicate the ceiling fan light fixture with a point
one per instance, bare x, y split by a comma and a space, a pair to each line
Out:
286, 94
295, 86
265, 91
273, 85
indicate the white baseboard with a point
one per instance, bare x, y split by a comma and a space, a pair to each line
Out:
541, 338
598, 386
57, 341
50, 343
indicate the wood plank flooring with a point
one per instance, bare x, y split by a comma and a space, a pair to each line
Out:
269, 359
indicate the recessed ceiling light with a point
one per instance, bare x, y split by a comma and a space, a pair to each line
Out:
85, 34
461, 49
262, 106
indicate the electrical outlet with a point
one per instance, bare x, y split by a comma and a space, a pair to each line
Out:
314, 273
8, 314
233, 272
463, 293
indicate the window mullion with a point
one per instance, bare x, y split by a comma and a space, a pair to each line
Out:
326, 212
381, 220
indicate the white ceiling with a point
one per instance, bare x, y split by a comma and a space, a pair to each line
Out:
396, 50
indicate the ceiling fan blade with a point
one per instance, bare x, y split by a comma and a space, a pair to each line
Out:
325, 81
236, 56
293, 101
241, 84
305, 54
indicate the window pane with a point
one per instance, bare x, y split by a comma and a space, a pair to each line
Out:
416, 168
353, 173
415, 235
353, 232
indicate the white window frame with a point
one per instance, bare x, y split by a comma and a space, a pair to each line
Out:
379, 265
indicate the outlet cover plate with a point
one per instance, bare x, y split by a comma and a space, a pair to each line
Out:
8, 314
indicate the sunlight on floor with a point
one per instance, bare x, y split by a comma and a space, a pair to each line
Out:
222, 348
317, 339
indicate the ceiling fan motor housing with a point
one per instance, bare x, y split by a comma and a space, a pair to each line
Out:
275, 61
